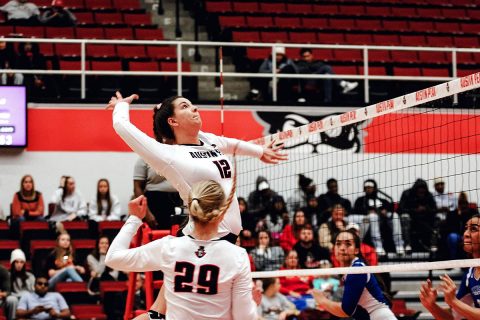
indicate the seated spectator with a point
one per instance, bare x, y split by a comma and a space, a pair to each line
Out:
42, 304
291, 233
370, 211
294, 286
306, 188
310, 254
260, 200
368, 252
30, 57
247, 235
6, 299
327, 200
58, 16
69, 204
22, 281
334, 225
417, 210
61, 263
21, 12
312, 212
275, 219
274, 305
9, 78
106, 206
265, 256
455, 222
27, 203
98, 270
287, 89
311, 87
446, 201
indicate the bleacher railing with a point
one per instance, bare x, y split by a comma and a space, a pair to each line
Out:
366, 77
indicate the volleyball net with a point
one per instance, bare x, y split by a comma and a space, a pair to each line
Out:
404, 172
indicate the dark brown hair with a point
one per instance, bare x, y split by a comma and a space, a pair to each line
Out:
107, 197
161, 113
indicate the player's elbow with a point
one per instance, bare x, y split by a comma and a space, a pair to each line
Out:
348, 307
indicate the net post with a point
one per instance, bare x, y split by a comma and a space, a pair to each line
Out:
274, 73
454, 72
366, 87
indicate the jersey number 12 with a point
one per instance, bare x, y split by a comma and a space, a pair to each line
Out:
207, 282
224, 168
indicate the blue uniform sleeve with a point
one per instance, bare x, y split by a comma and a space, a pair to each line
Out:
463, 290
354, 286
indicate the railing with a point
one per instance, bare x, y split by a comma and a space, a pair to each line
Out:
366, 77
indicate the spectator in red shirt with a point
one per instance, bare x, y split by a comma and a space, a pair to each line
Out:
291, 232
294, 286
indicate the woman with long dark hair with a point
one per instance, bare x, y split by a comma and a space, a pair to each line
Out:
266, 256
105, 206
291, 233
465, 304
21, 280
363, 297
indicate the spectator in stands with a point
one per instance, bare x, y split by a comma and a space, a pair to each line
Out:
455, 223
69, 203
27, 203
6, 299
139, 302
465, 303
371, 210
61, 263
291, 233
310, 87
310, 254
287, 89
274, 305
446, 201
276, 218
42, 304
313, 213
58, 16
30, 57
8, 58
327, 200
22, 281
265, 256
294, 286
21, 12
334, 225
306, 188
247, 235
260, 200
417, 210
162, 197
106, 206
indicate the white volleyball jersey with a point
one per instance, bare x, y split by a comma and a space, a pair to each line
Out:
203, 279
185, 165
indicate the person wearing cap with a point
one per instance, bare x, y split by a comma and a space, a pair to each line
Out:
6, 299
446, 201
306, 188
376, 210
309, 65
261, 199
58, 16
22, 281
284, 65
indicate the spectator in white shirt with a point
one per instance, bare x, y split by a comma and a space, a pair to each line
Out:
69, 203
106, 206
446, 201
21, 12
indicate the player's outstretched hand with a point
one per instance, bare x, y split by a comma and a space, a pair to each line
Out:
272, 153
118, 98
138, 207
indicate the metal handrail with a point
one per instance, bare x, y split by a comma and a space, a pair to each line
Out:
274, 75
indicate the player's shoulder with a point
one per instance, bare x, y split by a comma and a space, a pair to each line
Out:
358, 263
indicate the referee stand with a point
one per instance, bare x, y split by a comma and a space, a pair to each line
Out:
144, 235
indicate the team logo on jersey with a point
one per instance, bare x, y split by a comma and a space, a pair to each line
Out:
348, 137
200, 252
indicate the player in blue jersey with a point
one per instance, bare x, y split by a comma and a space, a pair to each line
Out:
363, 298
466, 303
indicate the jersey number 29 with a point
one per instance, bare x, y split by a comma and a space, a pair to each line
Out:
207, 282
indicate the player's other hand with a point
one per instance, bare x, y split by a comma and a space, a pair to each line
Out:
138, 207
272, 153
118, 98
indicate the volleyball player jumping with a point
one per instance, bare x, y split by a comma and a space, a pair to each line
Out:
466, 303
204, 277
363, 298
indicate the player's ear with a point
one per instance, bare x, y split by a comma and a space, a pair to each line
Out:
171, 121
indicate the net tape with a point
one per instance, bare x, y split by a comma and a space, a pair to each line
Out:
409, 100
